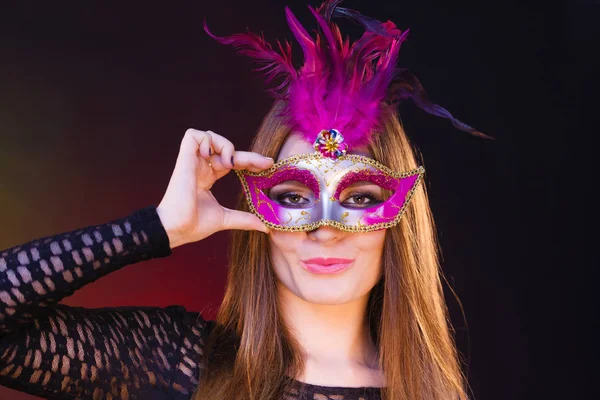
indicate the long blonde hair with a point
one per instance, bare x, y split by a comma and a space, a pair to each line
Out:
251, 354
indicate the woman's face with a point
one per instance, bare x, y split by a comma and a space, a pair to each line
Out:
360, 252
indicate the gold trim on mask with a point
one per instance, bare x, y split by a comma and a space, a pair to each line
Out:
318, 157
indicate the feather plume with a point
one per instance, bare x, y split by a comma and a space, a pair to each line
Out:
342, 86
274, 64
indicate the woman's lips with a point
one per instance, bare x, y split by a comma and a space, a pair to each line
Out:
326, 265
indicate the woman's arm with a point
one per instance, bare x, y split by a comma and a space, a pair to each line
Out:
56, 351
44, 271
120, 353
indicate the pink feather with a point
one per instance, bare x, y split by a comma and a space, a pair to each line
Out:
340, 86
274, 64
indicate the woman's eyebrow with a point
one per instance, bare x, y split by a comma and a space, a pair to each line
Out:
291, 173
362, 183
364, 178
292, 182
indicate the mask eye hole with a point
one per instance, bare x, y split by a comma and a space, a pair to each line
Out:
291, 194
362, 194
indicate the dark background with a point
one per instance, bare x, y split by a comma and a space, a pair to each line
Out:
95, 98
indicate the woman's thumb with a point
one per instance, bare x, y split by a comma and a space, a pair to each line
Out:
235, 219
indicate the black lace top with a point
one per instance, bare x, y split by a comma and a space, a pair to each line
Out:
60, 352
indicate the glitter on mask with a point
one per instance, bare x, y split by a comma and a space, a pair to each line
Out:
376, 177
290, 173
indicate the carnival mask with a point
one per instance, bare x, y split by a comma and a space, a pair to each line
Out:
327, 191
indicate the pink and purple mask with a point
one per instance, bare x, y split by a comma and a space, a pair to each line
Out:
337, 99
353, 193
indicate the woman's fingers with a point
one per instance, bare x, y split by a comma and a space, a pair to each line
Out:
196, 142
243, 160
235, 219
252, 161
222, 147
221, 154
208, 143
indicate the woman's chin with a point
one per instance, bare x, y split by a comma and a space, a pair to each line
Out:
329, 294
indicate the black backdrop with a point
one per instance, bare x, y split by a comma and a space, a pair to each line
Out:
112, 87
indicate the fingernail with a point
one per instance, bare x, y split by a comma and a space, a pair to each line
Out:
232, 161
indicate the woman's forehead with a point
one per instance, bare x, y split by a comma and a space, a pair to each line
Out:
296, 144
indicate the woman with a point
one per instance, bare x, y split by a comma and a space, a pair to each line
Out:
333, 289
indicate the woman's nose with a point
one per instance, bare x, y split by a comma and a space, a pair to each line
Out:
325, 234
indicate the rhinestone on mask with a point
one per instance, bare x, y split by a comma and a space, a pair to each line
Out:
330, 143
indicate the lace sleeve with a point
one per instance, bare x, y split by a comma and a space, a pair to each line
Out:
62, 352
108, 353
44, 271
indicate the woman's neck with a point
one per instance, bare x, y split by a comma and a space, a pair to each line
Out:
333, 338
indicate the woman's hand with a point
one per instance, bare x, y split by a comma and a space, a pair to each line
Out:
188, 211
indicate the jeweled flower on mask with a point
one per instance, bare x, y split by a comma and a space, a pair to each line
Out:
330, 143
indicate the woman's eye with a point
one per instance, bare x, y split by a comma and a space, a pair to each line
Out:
292, 199
360, 200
